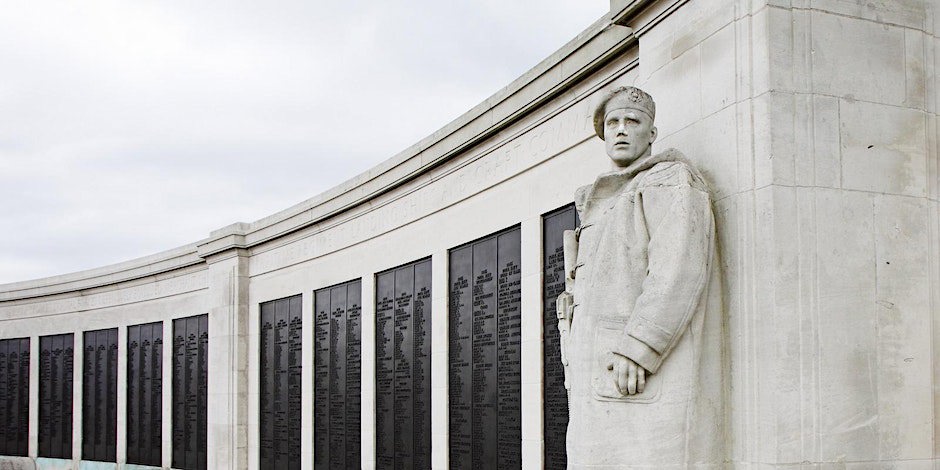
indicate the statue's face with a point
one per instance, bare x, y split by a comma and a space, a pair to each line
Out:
628, 134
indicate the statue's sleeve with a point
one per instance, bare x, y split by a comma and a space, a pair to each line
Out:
678, 218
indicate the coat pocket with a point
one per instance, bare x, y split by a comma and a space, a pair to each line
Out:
604, 382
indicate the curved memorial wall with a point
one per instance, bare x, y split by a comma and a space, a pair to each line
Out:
406, 318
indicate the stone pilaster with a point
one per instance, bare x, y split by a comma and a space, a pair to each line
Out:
228, 359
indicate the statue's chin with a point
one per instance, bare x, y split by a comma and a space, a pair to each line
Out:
623, 161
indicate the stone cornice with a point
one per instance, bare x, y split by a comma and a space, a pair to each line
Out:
150, 265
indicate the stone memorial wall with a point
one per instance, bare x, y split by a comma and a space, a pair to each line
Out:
815, 130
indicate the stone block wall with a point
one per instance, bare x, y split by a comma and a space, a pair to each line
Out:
825, 163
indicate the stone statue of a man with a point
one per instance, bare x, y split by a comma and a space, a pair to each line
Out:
641, 318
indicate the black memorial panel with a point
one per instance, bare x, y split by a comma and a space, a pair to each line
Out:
280, 384
190, 392
337, 376
14, 397
145, 394
337, 404
403, 367
321, 381
294, 379
459, 357
99, 395
353, 374
422, 365
508, 350
56, 356
484, 397
385, 371
555, 411
484, 353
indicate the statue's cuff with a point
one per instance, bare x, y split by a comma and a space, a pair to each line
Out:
638, 352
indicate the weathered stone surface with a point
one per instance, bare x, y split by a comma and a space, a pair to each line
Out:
640, 318
17, 463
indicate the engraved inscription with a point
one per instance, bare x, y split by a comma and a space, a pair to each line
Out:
14, 396
459, 358
353, 374
280, 382
508, 352
385, 371
422, 365
56, 355
403, 367
190, 393
99, 397
484, 353
144, 394
337, 376
321, 381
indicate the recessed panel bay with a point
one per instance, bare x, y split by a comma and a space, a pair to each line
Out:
337, 376
280, 387
144, 394
99, 397
190, 392
403, 366
56, 355
14, 396
485, 379
555, 411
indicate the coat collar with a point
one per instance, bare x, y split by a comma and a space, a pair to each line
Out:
608, 184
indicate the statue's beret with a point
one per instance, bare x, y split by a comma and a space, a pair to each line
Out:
623, 97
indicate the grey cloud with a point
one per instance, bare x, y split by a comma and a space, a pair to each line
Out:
130, 128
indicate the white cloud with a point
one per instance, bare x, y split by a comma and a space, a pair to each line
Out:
128, 128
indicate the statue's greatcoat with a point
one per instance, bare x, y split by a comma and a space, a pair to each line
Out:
646, 287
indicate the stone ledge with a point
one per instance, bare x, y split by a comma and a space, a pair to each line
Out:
124, 271
17, 463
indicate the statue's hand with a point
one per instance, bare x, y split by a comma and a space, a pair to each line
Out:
631, 377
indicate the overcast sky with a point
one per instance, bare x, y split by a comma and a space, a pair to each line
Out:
129, 128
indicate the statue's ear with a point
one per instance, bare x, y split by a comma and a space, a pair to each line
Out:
653, 133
